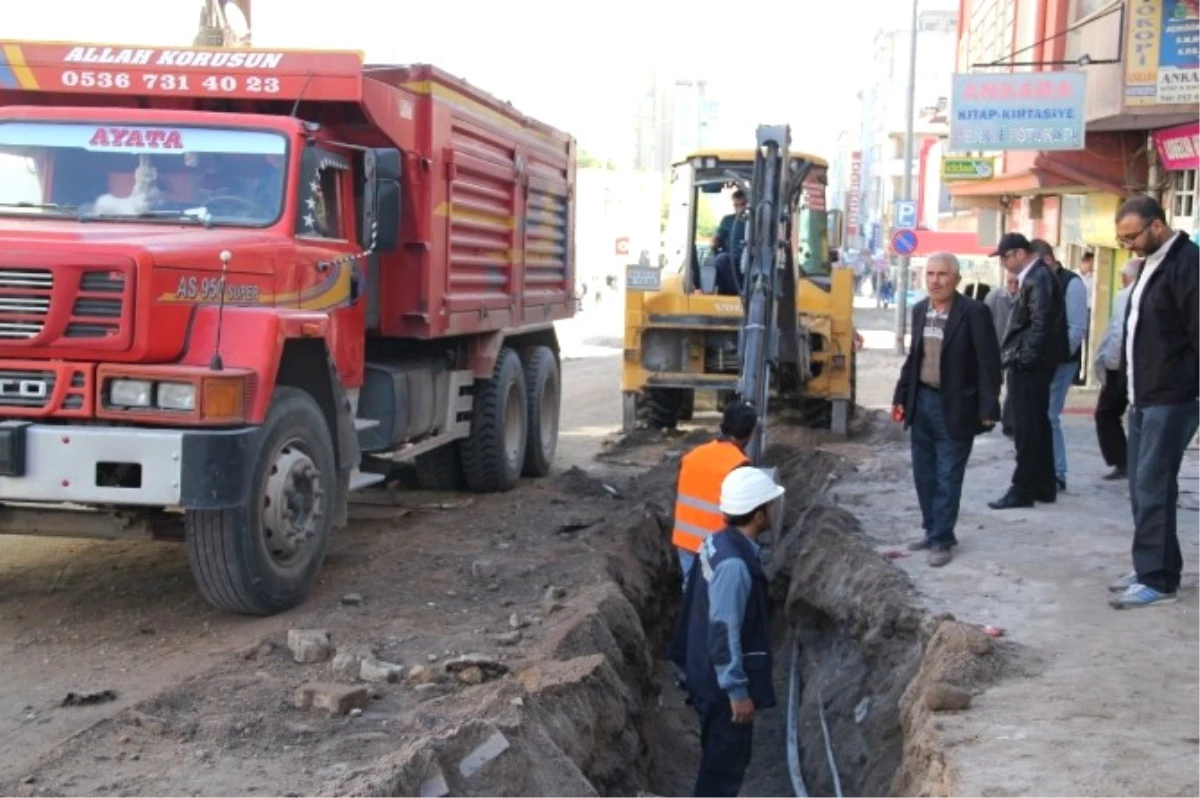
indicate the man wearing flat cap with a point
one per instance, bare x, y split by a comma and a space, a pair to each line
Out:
1035, 344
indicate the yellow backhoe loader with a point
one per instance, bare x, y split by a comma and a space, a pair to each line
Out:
687, 321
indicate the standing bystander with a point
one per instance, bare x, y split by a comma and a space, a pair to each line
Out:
1075, 296
948, 392
1113, 399
1161, 359
1001, 303
1033, 347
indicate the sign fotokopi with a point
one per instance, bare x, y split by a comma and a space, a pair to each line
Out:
1163, 62
1022, 111
968, 168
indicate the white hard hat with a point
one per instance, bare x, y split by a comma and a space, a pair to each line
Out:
747, 489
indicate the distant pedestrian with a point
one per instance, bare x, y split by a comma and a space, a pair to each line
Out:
1033, 348
1075, 297
1001, 303
1113, 399
1161, 360
948, 392
723, 637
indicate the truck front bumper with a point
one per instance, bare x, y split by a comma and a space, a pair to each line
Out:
192, 469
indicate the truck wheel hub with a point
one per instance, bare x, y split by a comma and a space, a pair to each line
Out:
293, 504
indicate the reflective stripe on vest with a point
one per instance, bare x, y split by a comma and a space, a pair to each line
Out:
697, 508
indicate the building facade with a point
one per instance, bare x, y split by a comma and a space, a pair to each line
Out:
1140, 61
869, 164
675, 116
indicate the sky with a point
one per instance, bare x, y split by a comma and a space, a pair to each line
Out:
802, 64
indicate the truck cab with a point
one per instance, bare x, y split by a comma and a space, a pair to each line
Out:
236, 286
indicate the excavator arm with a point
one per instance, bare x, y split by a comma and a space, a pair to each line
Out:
768, 274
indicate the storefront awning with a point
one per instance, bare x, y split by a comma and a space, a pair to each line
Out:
1048, 175
1106, 166
956, 243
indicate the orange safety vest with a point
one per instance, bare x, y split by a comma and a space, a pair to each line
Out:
697, 501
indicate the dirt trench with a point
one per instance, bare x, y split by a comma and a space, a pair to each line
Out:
584, 704
601, 715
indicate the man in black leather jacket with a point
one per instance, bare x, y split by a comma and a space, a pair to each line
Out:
1033, 348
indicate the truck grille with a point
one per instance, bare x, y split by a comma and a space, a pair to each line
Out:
97, 311
27, 389
24, 302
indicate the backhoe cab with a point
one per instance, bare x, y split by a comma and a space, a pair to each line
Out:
682, 323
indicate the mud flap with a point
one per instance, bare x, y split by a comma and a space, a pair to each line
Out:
348, 453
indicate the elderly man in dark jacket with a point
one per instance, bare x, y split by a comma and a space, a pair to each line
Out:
948, 392
1161, 358
1033, 348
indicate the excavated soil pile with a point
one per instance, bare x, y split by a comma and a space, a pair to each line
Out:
576, 721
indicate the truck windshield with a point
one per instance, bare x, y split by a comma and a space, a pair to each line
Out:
118, 172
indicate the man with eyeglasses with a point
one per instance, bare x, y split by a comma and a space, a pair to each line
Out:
1034, 346
1161, 360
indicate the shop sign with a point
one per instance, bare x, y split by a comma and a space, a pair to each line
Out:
1019, 111
1096, 220
1179, 147
854, 202
1163, 62
968, 169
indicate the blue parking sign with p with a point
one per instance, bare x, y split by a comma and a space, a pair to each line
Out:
906, 215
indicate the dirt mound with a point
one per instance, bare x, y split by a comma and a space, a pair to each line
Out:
577, 719
578, 482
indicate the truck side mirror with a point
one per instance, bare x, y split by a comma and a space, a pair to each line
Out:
380, 230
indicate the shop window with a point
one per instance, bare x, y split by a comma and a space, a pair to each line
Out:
1183, 194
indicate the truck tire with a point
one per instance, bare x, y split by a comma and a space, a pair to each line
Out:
494, 453
544, 395
658, 408
441, 468
254, 559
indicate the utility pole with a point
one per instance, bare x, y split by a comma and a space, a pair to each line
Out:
902, 283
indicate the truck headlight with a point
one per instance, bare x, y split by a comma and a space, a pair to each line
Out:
130, 393
176, 396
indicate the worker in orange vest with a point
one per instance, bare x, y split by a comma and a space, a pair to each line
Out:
701, 472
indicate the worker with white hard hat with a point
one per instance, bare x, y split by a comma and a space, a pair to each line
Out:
722, 641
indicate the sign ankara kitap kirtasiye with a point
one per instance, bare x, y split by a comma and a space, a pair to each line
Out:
1021, 111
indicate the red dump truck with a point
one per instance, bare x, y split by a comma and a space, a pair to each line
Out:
236, 285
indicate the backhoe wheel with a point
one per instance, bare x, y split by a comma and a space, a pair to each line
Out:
658, 408
441, 468
494, 453
262, 558
544, 395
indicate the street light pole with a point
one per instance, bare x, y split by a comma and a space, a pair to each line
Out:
902, 283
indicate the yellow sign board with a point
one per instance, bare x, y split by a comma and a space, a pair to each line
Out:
1096, 225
